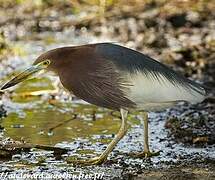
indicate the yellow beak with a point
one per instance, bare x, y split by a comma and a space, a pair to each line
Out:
24, 75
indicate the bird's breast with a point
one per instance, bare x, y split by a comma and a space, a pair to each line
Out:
98, 83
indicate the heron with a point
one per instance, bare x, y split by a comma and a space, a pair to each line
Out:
118, 78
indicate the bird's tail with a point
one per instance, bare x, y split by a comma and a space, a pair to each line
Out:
197, 92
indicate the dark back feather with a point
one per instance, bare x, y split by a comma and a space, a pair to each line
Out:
132, 61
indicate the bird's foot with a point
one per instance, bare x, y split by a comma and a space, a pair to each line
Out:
87, 162
145, 154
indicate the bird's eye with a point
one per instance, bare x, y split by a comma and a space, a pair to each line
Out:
46, 63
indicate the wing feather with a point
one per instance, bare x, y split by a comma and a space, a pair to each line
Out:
152, 81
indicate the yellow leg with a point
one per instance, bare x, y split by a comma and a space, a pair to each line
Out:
146, 152
100, 159
146, 133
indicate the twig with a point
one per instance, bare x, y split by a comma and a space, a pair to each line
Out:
6, 151
63, 123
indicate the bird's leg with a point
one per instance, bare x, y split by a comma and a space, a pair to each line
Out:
146, 132
146, 152
100, 159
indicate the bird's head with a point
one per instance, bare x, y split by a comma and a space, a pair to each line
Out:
36, 67
57, 60
47, 61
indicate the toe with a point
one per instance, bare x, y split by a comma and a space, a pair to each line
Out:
145, 154
88, 162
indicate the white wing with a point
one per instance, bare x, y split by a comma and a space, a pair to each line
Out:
157, 92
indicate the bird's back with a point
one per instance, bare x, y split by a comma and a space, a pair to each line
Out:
150, 81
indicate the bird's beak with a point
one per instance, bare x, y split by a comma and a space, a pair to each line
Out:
24, 75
